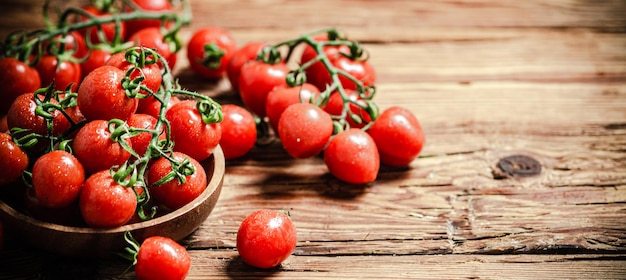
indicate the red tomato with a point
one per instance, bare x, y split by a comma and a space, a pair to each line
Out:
151, 72
134, 26
335, 107
266, 238
72, 41
197, 52
141, 141
13, 160
352, 157
190, 134
304, 129
244, 54
152, 106
105, 203
62, 74
57, 179
313, 72
152, 38
173, 194
162, 258
16, 78
238, 131
101, 96
398, 136
108, 29
4, 127
97, 58
256, 80
95, 150
281, 97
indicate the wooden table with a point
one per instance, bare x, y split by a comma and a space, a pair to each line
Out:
486, 79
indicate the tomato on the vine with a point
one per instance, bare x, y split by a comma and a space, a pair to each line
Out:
162, 258
151, 37
97, 58
352, 157
13, 160
335, 107
141, 141
16, 78
173, 194
95, 149
106, 30
71, 42
102, 97
398, 136
190, 134
57, 178
61, 72
152, 106
136, 25
151, 73
282, 96
104, 203
244, 54
209, 50
256, 80
238, 131
266, 238
304, 129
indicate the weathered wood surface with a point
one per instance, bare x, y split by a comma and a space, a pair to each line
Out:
486, 79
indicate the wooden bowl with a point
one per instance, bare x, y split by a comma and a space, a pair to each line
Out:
92, 242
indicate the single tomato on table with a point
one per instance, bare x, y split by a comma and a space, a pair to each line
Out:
162, 258
266, 238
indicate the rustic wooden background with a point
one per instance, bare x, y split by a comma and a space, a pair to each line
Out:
486, 79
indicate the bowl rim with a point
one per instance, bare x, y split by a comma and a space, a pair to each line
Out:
216, 180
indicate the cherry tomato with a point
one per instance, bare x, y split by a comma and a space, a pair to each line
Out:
316, 72
173, 194
238, 131
104, 203
152, 38
141, 141
108, 30
13, 160
97, 58
256, 80
162, 258
152, 106
335, 107
201, 60
134, 26
304, 129
57, 179
398, 136
101, 96
151, 72
244, 54
352, 157
95, 150
190, 134
62, 74
281, 97
72, 41
266, 238
16, 78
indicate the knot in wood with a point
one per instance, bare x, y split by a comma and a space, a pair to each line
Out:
519, 166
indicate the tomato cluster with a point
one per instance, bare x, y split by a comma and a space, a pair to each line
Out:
94, 127
322, 106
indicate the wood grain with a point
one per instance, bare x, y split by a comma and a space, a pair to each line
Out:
486, 79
